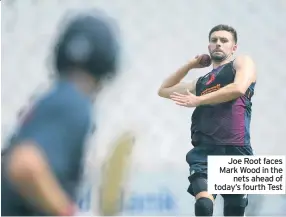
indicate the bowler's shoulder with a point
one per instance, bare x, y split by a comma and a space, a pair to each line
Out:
242, 60
244, 65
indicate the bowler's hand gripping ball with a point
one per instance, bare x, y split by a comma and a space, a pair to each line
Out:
205, 60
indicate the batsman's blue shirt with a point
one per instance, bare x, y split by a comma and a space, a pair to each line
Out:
58, 123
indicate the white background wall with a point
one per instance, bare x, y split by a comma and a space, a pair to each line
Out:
158, 36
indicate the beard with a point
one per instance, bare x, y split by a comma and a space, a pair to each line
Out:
218, 57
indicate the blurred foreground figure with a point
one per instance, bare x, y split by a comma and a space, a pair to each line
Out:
222, 115
42, 165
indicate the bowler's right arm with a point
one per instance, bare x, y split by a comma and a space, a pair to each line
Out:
173, 82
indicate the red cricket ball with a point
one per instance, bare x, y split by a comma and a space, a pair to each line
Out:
205, 60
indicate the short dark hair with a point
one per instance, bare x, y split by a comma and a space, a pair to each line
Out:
223, 27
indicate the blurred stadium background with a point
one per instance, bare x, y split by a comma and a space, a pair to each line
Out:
157, 36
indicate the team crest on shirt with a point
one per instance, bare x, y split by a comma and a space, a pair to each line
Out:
208, 78
211, 79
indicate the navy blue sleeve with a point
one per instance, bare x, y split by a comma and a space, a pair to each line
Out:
59, 127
